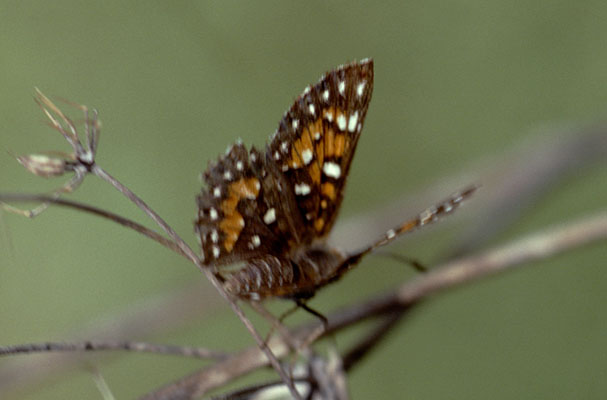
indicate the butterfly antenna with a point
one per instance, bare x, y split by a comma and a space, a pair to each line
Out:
426, 217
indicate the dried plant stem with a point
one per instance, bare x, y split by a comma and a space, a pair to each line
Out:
46, 199
448, 275
81, 162
96, 345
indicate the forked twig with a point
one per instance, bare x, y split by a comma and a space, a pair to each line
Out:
82, 161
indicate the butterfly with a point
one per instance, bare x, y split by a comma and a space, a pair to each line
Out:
272, 210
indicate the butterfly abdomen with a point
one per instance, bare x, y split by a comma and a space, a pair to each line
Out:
297, 278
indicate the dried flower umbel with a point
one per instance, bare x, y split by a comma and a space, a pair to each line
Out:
55, 164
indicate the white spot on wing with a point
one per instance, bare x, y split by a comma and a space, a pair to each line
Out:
307, 156
360, 88
295, 124
227, 175
213, 214
284, 147
341, 122
249, 194
270, 216
239, 165
302, 189
332, 170
217, 192
317, 136
276, 155
329, 116
325, 95
341, 86
214, 236
215, 251
390, 234
255, 241
312, 109
352, 122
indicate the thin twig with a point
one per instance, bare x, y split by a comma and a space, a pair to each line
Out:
95, 345
16, 197
185, 249
102, 386
359, 350
157, 314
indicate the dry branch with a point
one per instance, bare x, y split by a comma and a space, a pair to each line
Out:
451, 274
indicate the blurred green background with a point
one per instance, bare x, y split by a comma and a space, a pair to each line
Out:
176, 82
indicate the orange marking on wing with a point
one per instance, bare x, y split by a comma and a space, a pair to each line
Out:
329, 143
300, 145
295, 160
306, 140
320, 151
329, 111
323, 203
315, 128
328, 189
231, 226
245, 188
232, 222
314, 171
340, 144
319, 224
228, 206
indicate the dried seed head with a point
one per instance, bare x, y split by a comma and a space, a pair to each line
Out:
43, 165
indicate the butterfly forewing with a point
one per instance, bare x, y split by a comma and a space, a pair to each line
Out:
316, 140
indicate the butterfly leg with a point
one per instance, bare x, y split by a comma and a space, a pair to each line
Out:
317, 332
276, 324
418, 266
